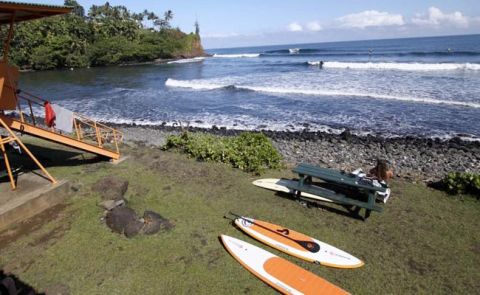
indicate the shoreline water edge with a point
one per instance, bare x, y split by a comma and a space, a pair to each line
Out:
412, 158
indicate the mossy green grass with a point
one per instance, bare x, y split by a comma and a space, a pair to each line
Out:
424, 242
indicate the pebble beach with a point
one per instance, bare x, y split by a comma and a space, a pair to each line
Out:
412, 158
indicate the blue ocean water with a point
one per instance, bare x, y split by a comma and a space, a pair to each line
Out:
421, 86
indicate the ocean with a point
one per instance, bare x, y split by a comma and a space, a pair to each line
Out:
425, 87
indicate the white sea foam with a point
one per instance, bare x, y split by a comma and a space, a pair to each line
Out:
205, 85
242, 55
398, 66
187, 60
200, 85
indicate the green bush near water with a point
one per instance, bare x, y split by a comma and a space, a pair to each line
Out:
460, 183
100, 36
251, 152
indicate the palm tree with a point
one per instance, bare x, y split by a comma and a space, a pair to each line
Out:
168, 16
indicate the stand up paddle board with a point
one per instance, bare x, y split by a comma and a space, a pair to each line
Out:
280, 185
277, 272
297, 244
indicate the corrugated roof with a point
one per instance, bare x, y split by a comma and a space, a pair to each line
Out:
29, 11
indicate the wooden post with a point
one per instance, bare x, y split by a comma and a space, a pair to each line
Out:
20, 111
115, 139
7, 164
97, 132
6, 45
75, 124
26, 150
31, 113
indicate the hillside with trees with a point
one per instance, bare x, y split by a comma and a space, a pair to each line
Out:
105, 35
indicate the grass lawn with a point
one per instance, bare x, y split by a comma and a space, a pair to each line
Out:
424, 242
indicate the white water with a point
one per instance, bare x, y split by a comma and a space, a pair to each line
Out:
397, 66
243, 55
187, 60
205, 85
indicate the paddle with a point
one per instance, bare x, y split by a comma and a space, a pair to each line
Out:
307, 245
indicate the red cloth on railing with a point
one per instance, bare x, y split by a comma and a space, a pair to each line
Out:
49, 115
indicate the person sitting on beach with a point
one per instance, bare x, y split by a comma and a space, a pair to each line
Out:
381, 171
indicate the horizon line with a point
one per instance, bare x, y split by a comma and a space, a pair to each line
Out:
343, 41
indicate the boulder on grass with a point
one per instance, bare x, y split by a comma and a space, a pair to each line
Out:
111, 188
121, 218
154, 223
133, 228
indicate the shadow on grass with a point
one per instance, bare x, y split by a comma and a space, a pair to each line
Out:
12, 285
309, 203
48, 157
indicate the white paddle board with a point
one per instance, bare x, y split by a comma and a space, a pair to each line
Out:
297, 244
277, 272
280, 185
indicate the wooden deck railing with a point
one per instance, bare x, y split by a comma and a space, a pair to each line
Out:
86, 130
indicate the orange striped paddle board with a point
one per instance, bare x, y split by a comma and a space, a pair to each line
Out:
277, 272
297, 244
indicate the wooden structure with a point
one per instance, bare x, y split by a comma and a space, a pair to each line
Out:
90, 136
341, 181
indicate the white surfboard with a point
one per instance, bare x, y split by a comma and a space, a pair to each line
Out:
297, 244
277, 272
280, 185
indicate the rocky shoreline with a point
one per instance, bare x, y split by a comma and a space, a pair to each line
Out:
412, 158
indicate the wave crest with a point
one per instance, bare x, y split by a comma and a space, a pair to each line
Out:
242, 55
397, 66
187, 60
204, 85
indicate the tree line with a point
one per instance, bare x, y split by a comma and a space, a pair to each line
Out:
105, 35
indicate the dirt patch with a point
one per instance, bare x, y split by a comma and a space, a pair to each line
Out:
30, 225
139, 192
57, 289
186, 260
418, 267
111, 187
54, 234
199, 237
476, 248
214, 256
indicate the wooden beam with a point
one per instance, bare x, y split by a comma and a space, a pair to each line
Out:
6, 45
26, 150
58, 138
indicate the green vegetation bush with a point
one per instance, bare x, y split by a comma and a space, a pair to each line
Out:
251, 152
460, 183
106, 35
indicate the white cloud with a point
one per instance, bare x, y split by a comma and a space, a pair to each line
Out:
435, 17
295, 27
314, 26
370, 18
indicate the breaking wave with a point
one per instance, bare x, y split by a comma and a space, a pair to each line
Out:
187, 60
204, 85
242, 55
397, 66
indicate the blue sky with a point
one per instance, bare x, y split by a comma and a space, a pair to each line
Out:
265, 22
